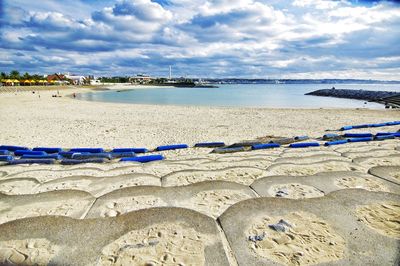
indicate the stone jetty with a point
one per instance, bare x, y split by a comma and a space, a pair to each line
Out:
353, 94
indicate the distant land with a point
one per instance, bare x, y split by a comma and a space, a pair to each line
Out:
299, 81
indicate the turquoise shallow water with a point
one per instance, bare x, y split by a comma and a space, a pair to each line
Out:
242, 95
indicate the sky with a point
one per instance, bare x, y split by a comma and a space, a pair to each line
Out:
308, 39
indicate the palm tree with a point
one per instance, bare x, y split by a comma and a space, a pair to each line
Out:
14, 74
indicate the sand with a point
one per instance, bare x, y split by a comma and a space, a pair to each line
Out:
127, 204
238, 175
161, 244
68, 123
383, 218
62, 121
66, 207
308, 240
214, 202
27, 252
294, 191
363, 183
312, 168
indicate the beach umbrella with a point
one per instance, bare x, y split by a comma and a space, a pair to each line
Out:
8, 81
33, 81
15, 81
27, 81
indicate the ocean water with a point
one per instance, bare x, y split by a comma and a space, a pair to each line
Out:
241, 95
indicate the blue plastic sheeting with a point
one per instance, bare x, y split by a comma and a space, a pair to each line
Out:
80, 156
73, 161
172, 147
5, 152
135, 150
385, 133
361, 126
330, 136
12, 148
48, 156
209, 144
143, 159
346, 128
6, 158
47, 150
229, 150
265, 146
358, 135
360, 139
68, 154
91, 150
122, 154
304, 145
32, 161
393, 123
337, 142
25, 152
301, 138
384, 137
378, 125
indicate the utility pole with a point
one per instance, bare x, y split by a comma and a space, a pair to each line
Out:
170, 72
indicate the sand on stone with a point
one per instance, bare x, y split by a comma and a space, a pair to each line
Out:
159, 244
310, 240
123, 205
312, 168
383, 217
64, 207
360, 182
240, 175
214, 202
27, 252
294, 191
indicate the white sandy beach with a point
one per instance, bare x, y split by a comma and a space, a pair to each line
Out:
29, 120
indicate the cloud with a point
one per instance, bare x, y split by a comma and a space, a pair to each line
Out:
209, 38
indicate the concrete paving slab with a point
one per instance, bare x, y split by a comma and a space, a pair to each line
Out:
98, 186
319, 185
331, 230
18, 186
145, 237
368, 162
211, 198
311, 159
305, 169
391, 173
65, 202
371, 153
240, 175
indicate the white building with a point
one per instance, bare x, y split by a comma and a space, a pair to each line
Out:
76, 80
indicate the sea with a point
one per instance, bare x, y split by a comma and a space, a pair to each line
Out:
241, 95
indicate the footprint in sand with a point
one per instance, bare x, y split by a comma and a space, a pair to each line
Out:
27, 252
358, 182
294, 191
161, 244
214, 202
127, 204
382, 217
306, 240
239, 175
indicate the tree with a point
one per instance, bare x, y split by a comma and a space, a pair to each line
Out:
26, 76
14, 74
3, 75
